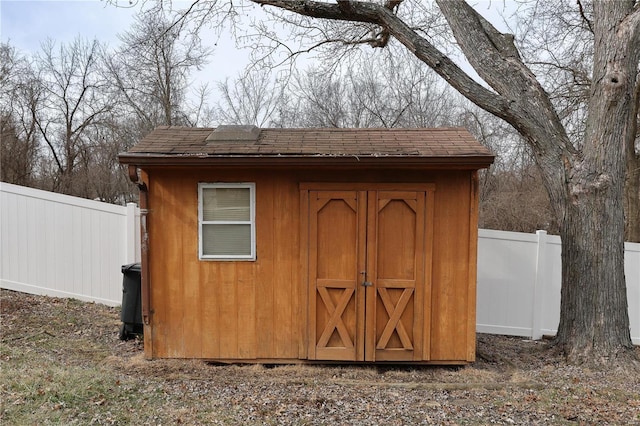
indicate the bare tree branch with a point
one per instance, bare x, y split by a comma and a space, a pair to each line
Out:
584, 16
419, 46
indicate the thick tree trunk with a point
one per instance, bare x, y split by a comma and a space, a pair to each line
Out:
594, 321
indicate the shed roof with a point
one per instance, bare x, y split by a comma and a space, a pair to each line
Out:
242, 144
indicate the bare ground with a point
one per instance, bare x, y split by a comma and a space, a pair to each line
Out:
62, 363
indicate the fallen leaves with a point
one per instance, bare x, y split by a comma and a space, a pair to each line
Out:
63, 363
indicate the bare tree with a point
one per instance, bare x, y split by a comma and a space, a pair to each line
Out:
151, 69
17, 156
499, 211
20, 97
372, 92
326, 100
250, 99
68, 110
513, 176
109, 179
584, 180
73, 101
395, 90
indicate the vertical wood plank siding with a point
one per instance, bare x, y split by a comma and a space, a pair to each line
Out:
450, 286
257, 310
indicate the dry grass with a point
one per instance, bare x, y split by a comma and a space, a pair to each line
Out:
61, 363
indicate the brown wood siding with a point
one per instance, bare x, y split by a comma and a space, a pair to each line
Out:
257, 310
450, 286
214, 309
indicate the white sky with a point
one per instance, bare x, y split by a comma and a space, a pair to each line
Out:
27, 23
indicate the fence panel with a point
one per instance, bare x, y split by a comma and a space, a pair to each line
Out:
506, 280
519, 278
64, 246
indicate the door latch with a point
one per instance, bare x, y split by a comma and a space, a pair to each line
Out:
365, 283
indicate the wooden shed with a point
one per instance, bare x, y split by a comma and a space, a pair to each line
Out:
306, 245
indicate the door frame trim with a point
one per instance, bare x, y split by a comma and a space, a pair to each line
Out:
365, 186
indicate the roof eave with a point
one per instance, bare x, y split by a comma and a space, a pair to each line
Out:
453, 161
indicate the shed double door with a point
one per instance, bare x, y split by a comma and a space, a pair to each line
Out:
369, 263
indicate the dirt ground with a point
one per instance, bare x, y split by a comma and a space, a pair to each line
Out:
62, 363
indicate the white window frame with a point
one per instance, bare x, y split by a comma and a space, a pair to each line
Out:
252, 216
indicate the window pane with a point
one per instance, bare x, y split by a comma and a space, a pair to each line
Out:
226, 204
232, 240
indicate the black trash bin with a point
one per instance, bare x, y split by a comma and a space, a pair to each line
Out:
131, 312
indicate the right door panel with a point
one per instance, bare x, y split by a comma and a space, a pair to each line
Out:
396, 231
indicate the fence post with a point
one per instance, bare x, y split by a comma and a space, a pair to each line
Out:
539, 285
131, 231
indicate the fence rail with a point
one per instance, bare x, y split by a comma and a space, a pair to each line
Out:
63, 246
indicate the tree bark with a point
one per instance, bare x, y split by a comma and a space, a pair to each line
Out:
594, 318
585, 183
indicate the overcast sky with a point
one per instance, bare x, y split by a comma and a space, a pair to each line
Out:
27, 23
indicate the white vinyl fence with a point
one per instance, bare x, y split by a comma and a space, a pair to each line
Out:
519, 279
63, 246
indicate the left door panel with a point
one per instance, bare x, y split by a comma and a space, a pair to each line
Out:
337, 228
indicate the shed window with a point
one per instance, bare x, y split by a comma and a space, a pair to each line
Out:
226, 219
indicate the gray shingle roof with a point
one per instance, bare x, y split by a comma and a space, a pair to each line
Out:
245, 142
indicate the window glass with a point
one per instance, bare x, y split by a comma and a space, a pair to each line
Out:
226, 204
226, 240
226, 221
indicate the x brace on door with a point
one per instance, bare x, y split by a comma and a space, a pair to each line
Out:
394, 312
335, 321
